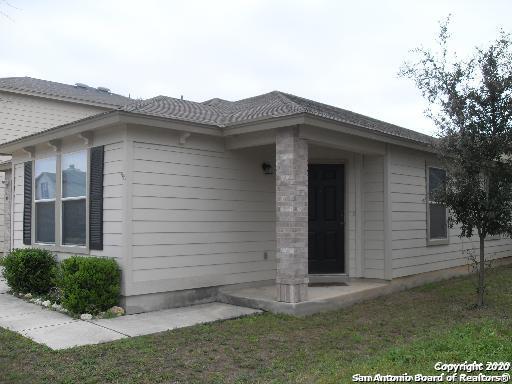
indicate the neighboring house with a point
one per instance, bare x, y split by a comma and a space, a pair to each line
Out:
189, 197
28, 106
44, 184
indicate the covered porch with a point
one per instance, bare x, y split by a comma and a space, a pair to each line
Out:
330, 232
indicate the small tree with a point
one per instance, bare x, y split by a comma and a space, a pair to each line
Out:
5, 4
470, 101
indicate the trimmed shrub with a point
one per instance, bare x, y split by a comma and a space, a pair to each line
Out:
30, 270
89, 284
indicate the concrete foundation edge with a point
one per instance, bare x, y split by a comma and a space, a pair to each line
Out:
310, 307
174, 299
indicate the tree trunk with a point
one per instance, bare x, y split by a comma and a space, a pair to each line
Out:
481, 272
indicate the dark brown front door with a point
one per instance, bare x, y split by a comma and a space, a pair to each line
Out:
326, 242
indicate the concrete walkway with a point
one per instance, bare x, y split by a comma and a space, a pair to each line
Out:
59, 331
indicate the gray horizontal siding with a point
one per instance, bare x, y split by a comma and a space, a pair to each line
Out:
373, 216
23, 115
410, 252
201, 216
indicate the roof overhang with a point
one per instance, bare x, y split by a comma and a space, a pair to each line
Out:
102, 121
308, 120
116, 117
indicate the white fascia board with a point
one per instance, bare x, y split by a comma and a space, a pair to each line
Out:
366, 133
173, 124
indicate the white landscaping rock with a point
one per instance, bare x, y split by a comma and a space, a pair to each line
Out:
57, 307
28, 295
115, 310
85, 316
46, 303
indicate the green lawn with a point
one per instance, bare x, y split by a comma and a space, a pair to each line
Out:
404, 332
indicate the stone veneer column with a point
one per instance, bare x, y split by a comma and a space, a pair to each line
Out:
292, 216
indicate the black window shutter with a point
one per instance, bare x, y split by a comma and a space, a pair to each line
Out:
27, 204
96, 199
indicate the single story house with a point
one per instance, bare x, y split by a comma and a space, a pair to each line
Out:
193, 196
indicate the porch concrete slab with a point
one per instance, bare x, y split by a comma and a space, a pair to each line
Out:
320, 299
159, 321
73, 333
333, 297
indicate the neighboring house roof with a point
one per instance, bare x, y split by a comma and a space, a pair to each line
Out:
225, 113
49, 175
78, 94
74, 181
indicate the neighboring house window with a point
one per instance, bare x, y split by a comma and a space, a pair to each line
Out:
437, 214
45, 194
44, 200
74, 198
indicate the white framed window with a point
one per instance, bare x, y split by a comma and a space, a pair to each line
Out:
437, 213
44, 199
74, 198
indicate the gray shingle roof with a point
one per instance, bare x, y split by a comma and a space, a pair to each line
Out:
223, 113
169, 107
66, 91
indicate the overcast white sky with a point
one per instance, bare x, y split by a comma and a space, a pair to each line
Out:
343, 53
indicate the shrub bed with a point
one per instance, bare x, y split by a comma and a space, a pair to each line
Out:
30, 270
89, 284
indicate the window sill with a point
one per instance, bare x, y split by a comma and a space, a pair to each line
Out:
434, 242
73, 249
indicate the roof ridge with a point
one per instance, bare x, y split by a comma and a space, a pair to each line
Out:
136, 103
284, 96
164, 97
206, 102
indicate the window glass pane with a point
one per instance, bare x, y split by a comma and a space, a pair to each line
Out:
436, 180
45, 178
438, 228
73, 222
74, 174
45, 222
